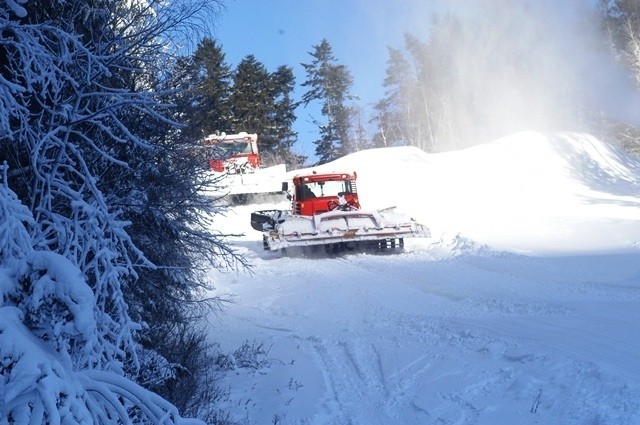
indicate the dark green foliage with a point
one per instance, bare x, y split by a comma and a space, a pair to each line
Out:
213, 98
281, 136
99, 130
206, 107
262, 104
251, 97
329, 83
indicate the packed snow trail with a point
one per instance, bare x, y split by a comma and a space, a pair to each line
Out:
473, 338
455, 330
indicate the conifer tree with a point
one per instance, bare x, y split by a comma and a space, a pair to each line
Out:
283, 117
110, 211
393, 111
261, 103
329, 83
251, 97
209, 108
621, 19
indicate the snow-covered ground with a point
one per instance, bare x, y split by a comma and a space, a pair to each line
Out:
521, 309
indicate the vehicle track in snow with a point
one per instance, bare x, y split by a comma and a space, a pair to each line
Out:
441, 343
448, 344
357, 366
450, 331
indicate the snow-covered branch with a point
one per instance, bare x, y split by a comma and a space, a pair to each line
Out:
38, 388
48, 322
76, 104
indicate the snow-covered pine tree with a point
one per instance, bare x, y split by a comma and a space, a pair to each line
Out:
76, 76
50, 337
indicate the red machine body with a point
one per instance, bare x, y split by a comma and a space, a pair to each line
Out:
325, 211
238, 153
236, 158
318, 193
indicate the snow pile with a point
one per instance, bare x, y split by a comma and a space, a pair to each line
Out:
522, 307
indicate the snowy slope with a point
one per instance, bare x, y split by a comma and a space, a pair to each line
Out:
522, 308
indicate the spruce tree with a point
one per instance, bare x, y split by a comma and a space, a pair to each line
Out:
392, 112
261, 103
283, 117
251, 98
209, 109
107, 195
329, 83
621, 19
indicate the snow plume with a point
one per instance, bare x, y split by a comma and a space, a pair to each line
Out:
523, 65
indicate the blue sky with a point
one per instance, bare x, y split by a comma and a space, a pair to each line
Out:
283, 32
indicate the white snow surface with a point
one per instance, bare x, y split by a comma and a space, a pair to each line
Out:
522, 308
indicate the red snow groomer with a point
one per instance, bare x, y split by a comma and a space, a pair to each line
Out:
240, 152
237, 159
326, 211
